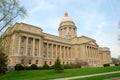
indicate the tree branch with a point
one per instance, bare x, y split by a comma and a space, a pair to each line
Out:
8, 22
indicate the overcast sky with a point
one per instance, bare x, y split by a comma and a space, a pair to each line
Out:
97, 19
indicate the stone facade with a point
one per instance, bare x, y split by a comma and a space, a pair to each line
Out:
27, 44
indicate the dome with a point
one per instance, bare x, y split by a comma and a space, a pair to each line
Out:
67, 28
66, 18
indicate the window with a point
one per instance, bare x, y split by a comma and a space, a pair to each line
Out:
21, 50
45, 62
22, 61
50, 63
35, 52
49, 45
29, 61
30, 40
49, 55
36, 61
63, 63
23, 39
45, 45
29, 50
36, 41
54, 46
67, 62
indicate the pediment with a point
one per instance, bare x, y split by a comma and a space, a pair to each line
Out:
84, 39
93, 43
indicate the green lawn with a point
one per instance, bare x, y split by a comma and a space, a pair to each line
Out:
50, 74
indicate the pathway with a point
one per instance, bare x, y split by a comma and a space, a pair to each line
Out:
84, 76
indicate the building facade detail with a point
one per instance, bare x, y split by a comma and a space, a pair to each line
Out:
28, 44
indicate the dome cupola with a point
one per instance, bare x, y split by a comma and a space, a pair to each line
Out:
67, 28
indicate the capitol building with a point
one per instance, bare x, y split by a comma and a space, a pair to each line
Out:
28, 44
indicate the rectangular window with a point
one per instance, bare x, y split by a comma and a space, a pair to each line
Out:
45, 45
36, 61
22, 61
23, 39
49, 45
29, 61
36, 52
29, 50
21, 50
36, 41
30, 40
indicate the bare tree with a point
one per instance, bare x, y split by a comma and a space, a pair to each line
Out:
9, 11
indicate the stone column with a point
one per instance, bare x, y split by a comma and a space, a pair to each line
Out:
52, 50
86, 51
47, 50
56, 52
68, 53
33, 47
97, 55
90, 52
19, 42
63, 52
96, 52
26, 46
93, 52
39, 49
60, 53
72, 54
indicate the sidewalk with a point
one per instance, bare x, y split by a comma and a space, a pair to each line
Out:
117, 78
84, 76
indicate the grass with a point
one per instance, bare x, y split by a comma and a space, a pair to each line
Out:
101, 77
50, 74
